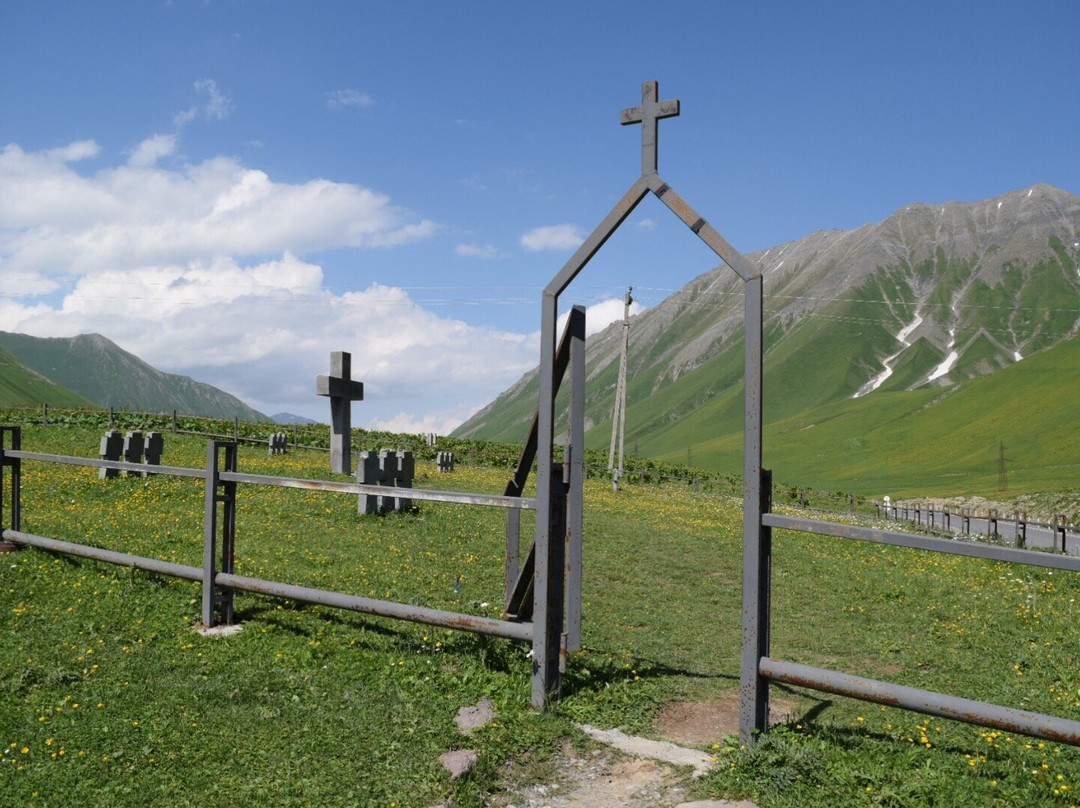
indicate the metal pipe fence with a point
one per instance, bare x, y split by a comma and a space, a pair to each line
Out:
219, 582
763, 668
1057, 536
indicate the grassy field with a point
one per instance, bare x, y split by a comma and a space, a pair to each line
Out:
111, 698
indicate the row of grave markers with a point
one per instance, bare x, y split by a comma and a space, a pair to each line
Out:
390, 468
133, 446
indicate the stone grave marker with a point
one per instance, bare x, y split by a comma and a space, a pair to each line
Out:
153, 447
342, 391
133, 449
112, 444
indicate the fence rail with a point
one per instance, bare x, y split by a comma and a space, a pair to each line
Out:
216, 575
761, 668
1022, 531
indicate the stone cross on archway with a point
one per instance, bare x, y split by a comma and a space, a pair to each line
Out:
342, 391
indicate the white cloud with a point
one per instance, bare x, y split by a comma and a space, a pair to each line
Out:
171, 263
57, 221
147, 153
476, 251
218, 104
646, 224
184, 117
73, 152
553, 237
441, 422
339, 99
265, 332
30, 284
600, 315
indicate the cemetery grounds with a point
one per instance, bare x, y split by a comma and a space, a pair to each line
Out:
110, 696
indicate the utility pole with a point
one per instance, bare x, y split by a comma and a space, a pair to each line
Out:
618, 415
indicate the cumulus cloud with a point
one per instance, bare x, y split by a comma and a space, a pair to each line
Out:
265, 332
646, 224
553, 237
441, 422
147, 153
600, 315
200, 270
339, 99
73, 152
54, 219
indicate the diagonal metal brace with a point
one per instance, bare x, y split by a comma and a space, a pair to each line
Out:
519, 601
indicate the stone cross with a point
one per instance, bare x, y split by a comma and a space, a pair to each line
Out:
342, 390
112, 444
648, 114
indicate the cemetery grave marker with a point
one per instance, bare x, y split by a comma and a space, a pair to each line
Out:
112, 444
390, 468
342, 391
133, 449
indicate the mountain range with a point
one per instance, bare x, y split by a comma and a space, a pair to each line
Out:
930, 299
90, 370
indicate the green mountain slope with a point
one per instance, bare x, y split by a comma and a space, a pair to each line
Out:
20, 386
901, 310
104, 373
928, 441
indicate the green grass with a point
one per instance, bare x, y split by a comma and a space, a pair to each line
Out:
312, 706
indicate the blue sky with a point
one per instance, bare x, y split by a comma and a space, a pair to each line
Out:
232, 189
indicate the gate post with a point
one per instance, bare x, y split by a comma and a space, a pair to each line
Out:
575, 498
548, 543
549, 594
754, 688
227, 497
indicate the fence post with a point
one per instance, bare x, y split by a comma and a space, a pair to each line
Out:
44, 414
227, 497
754, 688
1021, 529
15, 464
1059, 530
549, 594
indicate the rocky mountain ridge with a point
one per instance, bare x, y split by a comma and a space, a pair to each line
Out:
932, 295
